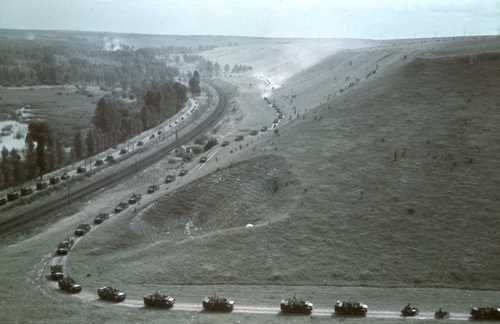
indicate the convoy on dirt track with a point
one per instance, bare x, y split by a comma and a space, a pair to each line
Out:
295, 305
409, 311
111, 294
69, 285
217, 304
158, 300
349, 308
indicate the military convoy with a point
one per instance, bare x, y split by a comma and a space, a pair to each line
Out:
183, 172
65, 246
111, 294
82, 229
101, 218
295, 305
56, 272
121, 207
26, 191
54, 180
42, 185
485, 313
441, 314
217, 304
98, 163
349, 308
81, 170
134, 199
153, 188
69, 285
409, 311
158, 300
12, 196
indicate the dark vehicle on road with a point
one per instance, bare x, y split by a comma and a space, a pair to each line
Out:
152, 137
253, 132
42, 185
158, 300
349, 308
485, 313
224, 144
26, 191
409, 311
82, 229
134, 199
203, 159
239, 138
101, 218
110, 159
169, 178
152, 189
3, 201
54, 180
69, 285
99, 163
123, 151
263, 129
65, 176
183, 173
64, 246
296, 306
121, 207
56, 272
140, 143
81, 170
111, 294
11, 196
217, 304
441, 314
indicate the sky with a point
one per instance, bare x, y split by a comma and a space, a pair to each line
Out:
266, 18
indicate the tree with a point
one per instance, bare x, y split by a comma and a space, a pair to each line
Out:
77, 147
60, 154
227, 68
217, 68
17, 167
6, 167
30, 161
194, 84
90, 142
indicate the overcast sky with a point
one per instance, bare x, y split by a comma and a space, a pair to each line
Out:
287, 18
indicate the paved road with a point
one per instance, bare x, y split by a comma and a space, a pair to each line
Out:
112, 177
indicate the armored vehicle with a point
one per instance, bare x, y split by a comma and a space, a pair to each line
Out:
54, 180
263, 129
101, 218
26, 191
296, 306
111, 294
123, 151
56, 272
152, 189
217, 304
82, 229
135, 198
41, 185
3, 201
485, 313
203, 159
253, 132
11, 196
183, 173
349, 308
110, 159
81, 170
69, 285
64, 246
158, 300
409, 310
121, 207
169, 178
225, 143
239, 138
140, 143
65, 176
441, 314
99, 162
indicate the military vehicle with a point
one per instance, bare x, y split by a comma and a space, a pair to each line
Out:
140, 143
3, 201
54, 180
169, 178
296, 306
217, 304
65, 176
101, 218
203, 159
110, 159
111, 294
183, 173
152, 189
152, 137
253, 132
134, 199
56, 272
158, 300
99, 163
485, 313
42, 185
69, 285
81, 170
11, 196
224, 144
64, 246
239, 138
349, 308
82, 229
121, 207
441, 314
123, 151
26, 191
263, 129
408, 310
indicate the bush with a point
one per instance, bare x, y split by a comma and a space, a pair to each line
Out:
200, 140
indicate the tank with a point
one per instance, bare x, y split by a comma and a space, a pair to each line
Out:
152, 189
11, 196
253, 132
121, 207
409, 310
239, 138
54, 180
26, 191
81, 170
169, 178
295, 305
158, 300
82, 229
225, 143
110, 159
3, 201
183, 173
56, 272
135, 198
69, 285
485, 313
217, 304
41, 185
123, 151
441, 314
99, 162
65, 176
349, 308
203, 159
140, 143
263, 129
111, 294
101, 218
